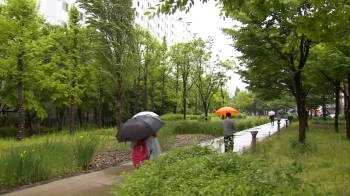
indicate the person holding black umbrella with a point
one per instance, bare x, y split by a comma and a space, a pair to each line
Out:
141, 131
145, 149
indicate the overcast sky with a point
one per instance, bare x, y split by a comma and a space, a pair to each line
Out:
207, 22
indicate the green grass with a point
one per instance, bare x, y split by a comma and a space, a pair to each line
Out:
323, 162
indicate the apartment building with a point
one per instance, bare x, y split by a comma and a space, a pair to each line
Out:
174, 27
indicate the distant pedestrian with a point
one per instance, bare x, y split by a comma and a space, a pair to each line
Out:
228, 126
145, 149
272, 120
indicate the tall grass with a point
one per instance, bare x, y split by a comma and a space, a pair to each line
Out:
46, 160
322, 162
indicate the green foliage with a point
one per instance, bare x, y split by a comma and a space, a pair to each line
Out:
8, 131
243, 99
85, 149
200, 171
170, 117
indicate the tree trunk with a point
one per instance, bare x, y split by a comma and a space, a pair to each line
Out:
119, 98
29, 123
337, 97
79, 117
136, 91
205, 108
196, 106
153, 96
72, 116
347, 115
21, 120
324, 109
184, 102
163, 94
145, 89
176, 90
302, 114
222, 96
87, 117
99, 113
59, 116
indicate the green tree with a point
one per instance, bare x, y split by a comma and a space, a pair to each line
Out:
20, 50
75, 61
113, 21
181, 55
243, 100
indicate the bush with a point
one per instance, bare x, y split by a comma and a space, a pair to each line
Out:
171, 117
8, 120
195, 127
239, 116
200, 171
174, 117
10, 131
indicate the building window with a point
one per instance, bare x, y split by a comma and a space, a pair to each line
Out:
138, 3
65, 6
158, 25
142, 18
81, 16
137, 14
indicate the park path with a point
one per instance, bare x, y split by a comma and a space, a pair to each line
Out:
100, 182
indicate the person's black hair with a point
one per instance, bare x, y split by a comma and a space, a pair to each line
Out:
228, 114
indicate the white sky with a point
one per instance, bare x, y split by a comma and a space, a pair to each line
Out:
207, 22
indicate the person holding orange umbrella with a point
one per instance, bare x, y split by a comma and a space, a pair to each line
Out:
228, 126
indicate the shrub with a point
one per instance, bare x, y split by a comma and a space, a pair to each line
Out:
200, 171
194, 127
239, 116
174, 117
171, 117
10, 131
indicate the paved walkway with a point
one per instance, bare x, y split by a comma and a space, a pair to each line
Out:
100, 182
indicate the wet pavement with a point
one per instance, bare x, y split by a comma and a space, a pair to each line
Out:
100, 182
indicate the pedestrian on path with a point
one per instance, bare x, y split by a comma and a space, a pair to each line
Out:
272, 120
228, 126
145, 149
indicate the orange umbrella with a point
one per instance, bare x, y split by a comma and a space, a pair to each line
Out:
224, 110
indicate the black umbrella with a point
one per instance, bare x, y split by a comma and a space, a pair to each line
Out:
138, 128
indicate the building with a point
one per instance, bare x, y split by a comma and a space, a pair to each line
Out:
174, 27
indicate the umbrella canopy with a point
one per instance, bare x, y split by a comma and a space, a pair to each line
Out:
146, 113
271, 113
224, 110
138, 128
